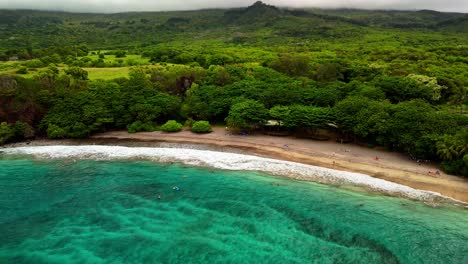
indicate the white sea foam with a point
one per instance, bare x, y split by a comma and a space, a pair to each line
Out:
228, 161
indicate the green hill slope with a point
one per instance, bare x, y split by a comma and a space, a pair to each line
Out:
255, 24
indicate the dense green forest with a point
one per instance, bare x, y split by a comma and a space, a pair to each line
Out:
390, 78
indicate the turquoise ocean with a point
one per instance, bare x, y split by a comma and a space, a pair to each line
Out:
135, 211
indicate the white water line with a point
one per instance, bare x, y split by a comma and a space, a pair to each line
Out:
228, 161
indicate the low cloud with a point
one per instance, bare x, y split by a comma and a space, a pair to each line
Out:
112, 6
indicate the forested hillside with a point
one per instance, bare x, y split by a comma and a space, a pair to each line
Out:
256, 25
390, 78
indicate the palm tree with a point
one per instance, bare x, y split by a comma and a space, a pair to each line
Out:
452, 147
443, 149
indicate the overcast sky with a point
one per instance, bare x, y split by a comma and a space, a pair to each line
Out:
110, 6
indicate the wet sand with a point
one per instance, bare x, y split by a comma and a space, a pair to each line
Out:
390, 166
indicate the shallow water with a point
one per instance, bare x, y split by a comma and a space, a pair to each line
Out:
85, 211
227, 161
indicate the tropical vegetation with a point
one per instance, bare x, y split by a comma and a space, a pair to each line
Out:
389, 78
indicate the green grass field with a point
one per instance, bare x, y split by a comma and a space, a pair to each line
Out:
107, 73
120, 67
93, 73
127, 60
5, 70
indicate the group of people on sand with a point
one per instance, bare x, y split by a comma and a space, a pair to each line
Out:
436, 172
377, 158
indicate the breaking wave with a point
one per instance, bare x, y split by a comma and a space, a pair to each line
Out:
229, 161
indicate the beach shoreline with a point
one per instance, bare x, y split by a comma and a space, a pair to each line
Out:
385, 165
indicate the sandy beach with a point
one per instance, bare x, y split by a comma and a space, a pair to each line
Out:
379, 163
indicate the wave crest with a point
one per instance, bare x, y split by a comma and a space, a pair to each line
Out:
229, 161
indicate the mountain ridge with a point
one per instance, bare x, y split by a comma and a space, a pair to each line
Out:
250, 24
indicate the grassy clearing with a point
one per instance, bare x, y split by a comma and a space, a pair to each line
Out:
30, 74
93, 73
128, 60
107, 73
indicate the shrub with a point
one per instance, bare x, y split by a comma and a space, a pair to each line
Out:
54, 131
77, 73
23, 130
99, 63
456, 167
171, 126
34, 64
6, 133
15, 132
201, 127
120, 54
131, 62
22, 70
77, 63
138, 126
86, 59
79, 130
189, 122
